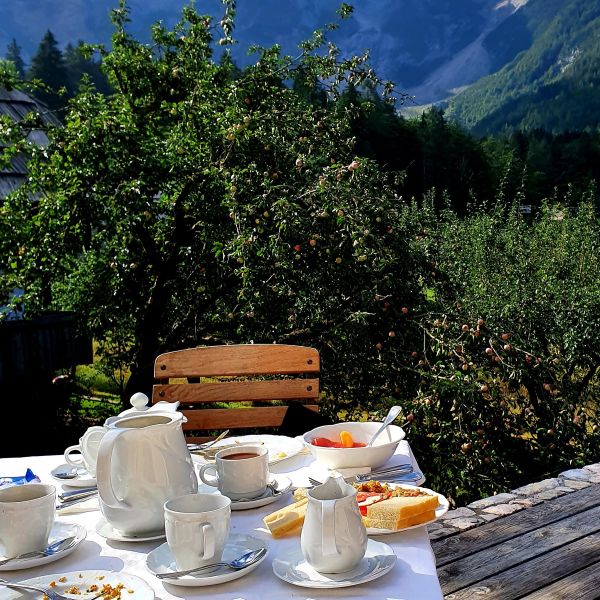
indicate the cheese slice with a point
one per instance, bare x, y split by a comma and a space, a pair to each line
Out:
401, 511
287, 520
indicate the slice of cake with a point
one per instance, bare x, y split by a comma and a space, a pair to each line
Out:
399, 512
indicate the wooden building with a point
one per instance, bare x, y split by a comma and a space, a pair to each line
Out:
17, 105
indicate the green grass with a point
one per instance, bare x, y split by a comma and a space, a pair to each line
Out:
91, 378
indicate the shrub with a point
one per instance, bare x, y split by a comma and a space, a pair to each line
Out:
509, 365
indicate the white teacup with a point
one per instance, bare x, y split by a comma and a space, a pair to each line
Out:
241, 472
26, 518
197, 527
87, 450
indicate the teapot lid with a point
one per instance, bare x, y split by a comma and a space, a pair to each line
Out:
139, 405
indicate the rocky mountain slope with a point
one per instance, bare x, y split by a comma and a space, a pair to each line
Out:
428, 47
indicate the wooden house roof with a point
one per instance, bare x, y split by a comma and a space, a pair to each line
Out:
16, 104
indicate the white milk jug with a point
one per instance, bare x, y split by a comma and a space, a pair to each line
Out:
334, 537
143, 461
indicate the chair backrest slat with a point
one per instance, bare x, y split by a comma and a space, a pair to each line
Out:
237, 418
258, 373
239, 391
241, 359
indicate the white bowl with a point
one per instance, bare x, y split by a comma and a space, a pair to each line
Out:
341, 458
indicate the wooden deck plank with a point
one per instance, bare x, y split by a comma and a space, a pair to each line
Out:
534, 575
518, 550
583, 585
502, 529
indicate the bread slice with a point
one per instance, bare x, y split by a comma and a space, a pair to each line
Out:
401, 511
401, 523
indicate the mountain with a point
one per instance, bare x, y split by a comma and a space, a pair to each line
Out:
553, 84
427, 47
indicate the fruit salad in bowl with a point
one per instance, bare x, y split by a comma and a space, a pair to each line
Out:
344, 445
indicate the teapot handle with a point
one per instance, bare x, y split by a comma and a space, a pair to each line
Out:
328, 545
103, 470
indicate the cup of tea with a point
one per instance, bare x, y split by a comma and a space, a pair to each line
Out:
26, 517
86, 452
241, 472
197, 527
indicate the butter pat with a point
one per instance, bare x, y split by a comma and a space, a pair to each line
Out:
287, 520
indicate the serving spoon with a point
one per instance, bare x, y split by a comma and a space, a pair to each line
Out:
391, 416
243, 561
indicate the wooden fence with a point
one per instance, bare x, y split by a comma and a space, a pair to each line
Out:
30, 348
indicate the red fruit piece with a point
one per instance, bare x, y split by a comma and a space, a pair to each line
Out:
324, 442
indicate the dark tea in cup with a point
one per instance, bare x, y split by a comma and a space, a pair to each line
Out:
240, 456
241, 472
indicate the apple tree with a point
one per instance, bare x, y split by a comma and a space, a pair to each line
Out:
201, 204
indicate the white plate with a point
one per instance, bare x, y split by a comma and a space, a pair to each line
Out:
378, 560
280, 447
60, 531
137, 588
161, 560
106, 530
442, 509
83, 479
283, 484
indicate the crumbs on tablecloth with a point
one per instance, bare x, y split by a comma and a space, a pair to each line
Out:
108, 591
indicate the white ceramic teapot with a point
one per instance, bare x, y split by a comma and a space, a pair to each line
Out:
143, 461
334, 537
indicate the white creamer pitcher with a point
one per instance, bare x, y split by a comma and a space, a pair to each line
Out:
143, 461
334, 537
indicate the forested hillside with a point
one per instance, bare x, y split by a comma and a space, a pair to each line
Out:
551, 85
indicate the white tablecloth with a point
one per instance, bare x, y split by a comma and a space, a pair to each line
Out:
412, 578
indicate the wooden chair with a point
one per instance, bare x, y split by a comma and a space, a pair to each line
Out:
254, 373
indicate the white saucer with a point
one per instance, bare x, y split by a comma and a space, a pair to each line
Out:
106, 530
83, 479
283, 485
378, 560
161, 560
137, 588
59, 531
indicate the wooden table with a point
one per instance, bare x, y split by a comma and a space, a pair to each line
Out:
550, 551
